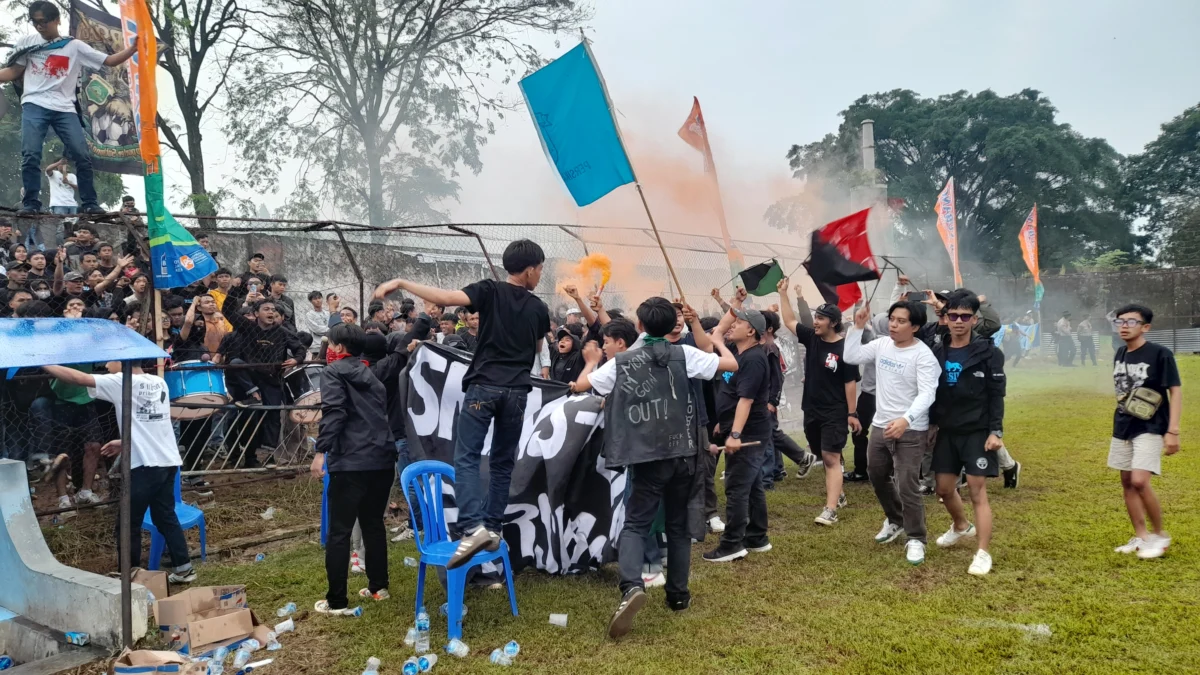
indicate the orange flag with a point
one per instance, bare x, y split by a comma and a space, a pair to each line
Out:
694, 133
947, 225
1029, 245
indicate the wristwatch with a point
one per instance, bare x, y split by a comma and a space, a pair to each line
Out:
735, 435
998, 434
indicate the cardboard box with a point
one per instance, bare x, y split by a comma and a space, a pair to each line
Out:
155, 582
176, 609
144, 662
199, 620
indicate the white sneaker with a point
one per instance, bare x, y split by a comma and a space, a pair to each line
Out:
1132, 547
953, 536
86, 497
1154, 546
64, 502
982, 564
406, 533
889, 533
654, 580
716, 524
356, 564
914, 552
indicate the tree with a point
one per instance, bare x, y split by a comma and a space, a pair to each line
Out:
382, 96
1005, 154
1164, 180
1182, 245
203, 44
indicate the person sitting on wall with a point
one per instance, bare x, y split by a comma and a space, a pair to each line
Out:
46, 67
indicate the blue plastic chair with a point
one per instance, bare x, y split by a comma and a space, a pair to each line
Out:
425, 480
324, 507
189, 517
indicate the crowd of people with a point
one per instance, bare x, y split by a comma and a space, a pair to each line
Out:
917, 390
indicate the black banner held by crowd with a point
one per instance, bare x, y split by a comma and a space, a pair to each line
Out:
565, 511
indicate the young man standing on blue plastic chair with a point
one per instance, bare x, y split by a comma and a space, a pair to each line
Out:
153, 457
513, 323
651, 430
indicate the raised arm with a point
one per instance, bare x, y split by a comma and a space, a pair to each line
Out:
189, 320
588, 315
716, 295
123, 55
440, 296
802, 326
856, 352
703, 342
116, 272
71, 376
597, 305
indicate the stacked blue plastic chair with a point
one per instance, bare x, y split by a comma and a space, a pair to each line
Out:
424, 480
324, 507
189, 517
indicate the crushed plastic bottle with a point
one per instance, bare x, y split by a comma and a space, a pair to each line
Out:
410, 638
372, 667
422, 644
446, 609
269, 514
6, 662
244, 652
285, 627
286, 610
512, 649
499, 658
217, 665
273, 642
458, 648
410, 561
427, 662
411, 666
260, 557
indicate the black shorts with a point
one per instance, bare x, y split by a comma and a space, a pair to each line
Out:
954, 452
823, 436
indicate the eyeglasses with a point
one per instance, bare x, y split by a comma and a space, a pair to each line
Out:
1127, 323
42, 21
963, 318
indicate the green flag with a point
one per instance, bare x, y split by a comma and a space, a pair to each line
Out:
762, 278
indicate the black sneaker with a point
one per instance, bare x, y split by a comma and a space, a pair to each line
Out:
94, 210
622, 619
1012, 476
678, 605
182, 577
803, 469
722, 554
855, 477
925, 490
25, 212
471, 544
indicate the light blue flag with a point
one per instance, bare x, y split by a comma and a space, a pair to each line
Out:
570, 111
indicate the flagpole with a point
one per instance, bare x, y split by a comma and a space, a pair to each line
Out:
621, 139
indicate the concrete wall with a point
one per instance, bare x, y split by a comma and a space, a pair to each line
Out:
37, 586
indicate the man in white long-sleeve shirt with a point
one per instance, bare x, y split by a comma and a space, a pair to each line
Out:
907, 375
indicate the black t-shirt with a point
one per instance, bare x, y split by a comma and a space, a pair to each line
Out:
750, 381
825, 376
511, 321
955, 358
1151, 366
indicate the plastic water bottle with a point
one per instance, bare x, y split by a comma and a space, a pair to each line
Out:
273, 643
427, 662
242, 657
446, 609
458, 648
217, 665
499, 658
410, 561
410, 638
372, 667
285, 627
422, 644
260, 557
286, 610
512, 649
411, 666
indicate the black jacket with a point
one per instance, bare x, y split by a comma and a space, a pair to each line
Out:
976, 402
354, 433
566, 367
775, 381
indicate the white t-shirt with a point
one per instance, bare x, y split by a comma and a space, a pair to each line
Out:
701, 365
62, 191
541, 360
906, 380
51, 75
152, 440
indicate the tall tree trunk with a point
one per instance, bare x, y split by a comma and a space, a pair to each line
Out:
375, 207
200, 199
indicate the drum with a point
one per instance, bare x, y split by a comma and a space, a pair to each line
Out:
195, 382
303, 384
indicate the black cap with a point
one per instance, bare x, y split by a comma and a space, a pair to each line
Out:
259, 256
16, 265
830, 311
72, 276
754, 318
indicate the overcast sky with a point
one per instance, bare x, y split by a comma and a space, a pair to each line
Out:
772, 73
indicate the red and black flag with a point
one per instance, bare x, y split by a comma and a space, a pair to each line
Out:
840, 258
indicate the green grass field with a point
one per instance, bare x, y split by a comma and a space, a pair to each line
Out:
832, 600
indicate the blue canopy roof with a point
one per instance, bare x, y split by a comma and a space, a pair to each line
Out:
40, 342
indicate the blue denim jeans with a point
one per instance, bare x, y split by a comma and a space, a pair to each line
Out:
483, 405
33, 239
35, 122
402, 461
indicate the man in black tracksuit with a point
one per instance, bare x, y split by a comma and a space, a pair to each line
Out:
967, 420
355, 446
